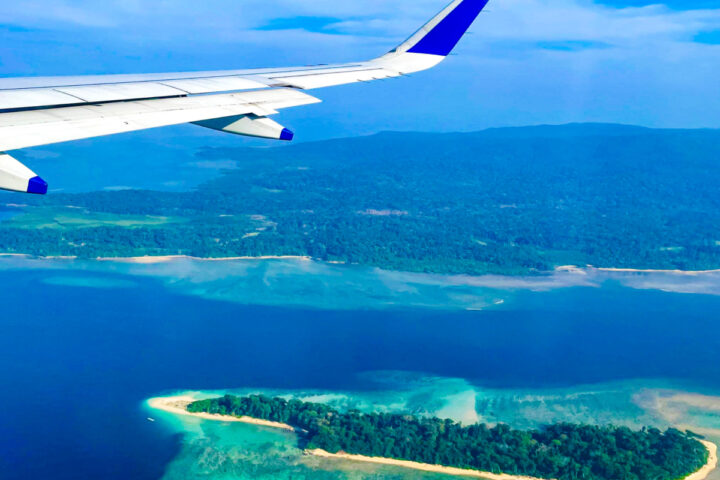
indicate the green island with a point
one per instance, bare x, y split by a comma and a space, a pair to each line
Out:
560, 451
506, 201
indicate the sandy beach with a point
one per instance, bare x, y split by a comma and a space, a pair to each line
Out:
588, 269
671, 272
701, 474
425, 467
169, 258
178, 406
711, 465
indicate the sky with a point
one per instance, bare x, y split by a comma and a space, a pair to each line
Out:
525, 62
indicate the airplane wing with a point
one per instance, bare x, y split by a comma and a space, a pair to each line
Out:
45, 110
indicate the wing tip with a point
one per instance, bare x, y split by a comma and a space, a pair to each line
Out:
448, 28
37, 186
287, 135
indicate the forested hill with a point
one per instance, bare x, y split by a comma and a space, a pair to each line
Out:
502, 200
563, 451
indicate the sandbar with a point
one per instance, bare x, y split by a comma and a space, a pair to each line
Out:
178, 405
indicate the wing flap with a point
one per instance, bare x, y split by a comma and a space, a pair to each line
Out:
31, 98
77, 95
42, 127
127, 91
214, 85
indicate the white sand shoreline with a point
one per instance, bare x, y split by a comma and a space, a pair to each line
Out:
424, 467
178, 406
589, 269
701, 474
711, 464
670, 272
149, 260
156, 259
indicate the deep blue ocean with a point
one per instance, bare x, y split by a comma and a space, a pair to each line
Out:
78, 362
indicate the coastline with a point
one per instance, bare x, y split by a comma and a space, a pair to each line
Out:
424, 467
701, 474
158, 259
671, 272
178, 405
589, 268
150, 260
711, 464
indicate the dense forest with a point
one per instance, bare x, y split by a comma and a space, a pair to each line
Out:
499, 201
561, 451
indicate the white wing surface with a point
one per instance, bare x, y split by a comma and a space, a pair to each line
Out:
44, 110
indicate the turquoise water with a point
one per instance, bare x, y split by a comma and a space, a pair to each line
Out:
84, 344
7, 214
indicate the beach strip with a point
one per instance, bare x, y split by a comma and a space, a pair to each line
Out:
151, 260
711, 464
701, 474
671, 272
178, 405
425, 467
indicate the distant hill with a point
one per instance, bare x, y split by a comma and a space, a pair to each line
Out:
511, 200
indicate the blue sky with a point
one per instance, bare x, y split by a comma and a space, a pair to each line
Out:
526, 62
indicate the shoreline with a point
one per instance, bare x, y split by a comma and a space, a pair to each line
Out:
590, 268
701, 474
151, 260
424, 467
178, 405
711, 464
671, 272
158, 259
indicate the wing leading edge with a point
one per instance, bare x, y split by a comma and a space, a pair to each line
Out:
44, 110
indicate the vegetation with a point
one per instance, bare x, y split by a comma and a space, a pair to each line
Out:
562, 451
501, 201
68, 218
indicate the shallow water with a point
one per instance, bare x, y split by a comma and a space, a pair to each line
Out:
83, 345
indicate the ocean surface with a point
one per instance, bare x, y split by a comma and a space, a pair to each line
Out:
84, 345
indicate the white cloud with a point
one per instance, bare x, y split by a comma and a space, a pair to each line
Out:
531, 20
632, 65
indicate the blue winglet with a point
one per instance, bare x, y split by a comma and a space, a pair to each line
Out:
286, 135
38, 186
442, 39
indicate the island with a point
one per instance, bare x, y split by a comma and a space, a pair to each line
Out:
503, 201
561, 451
